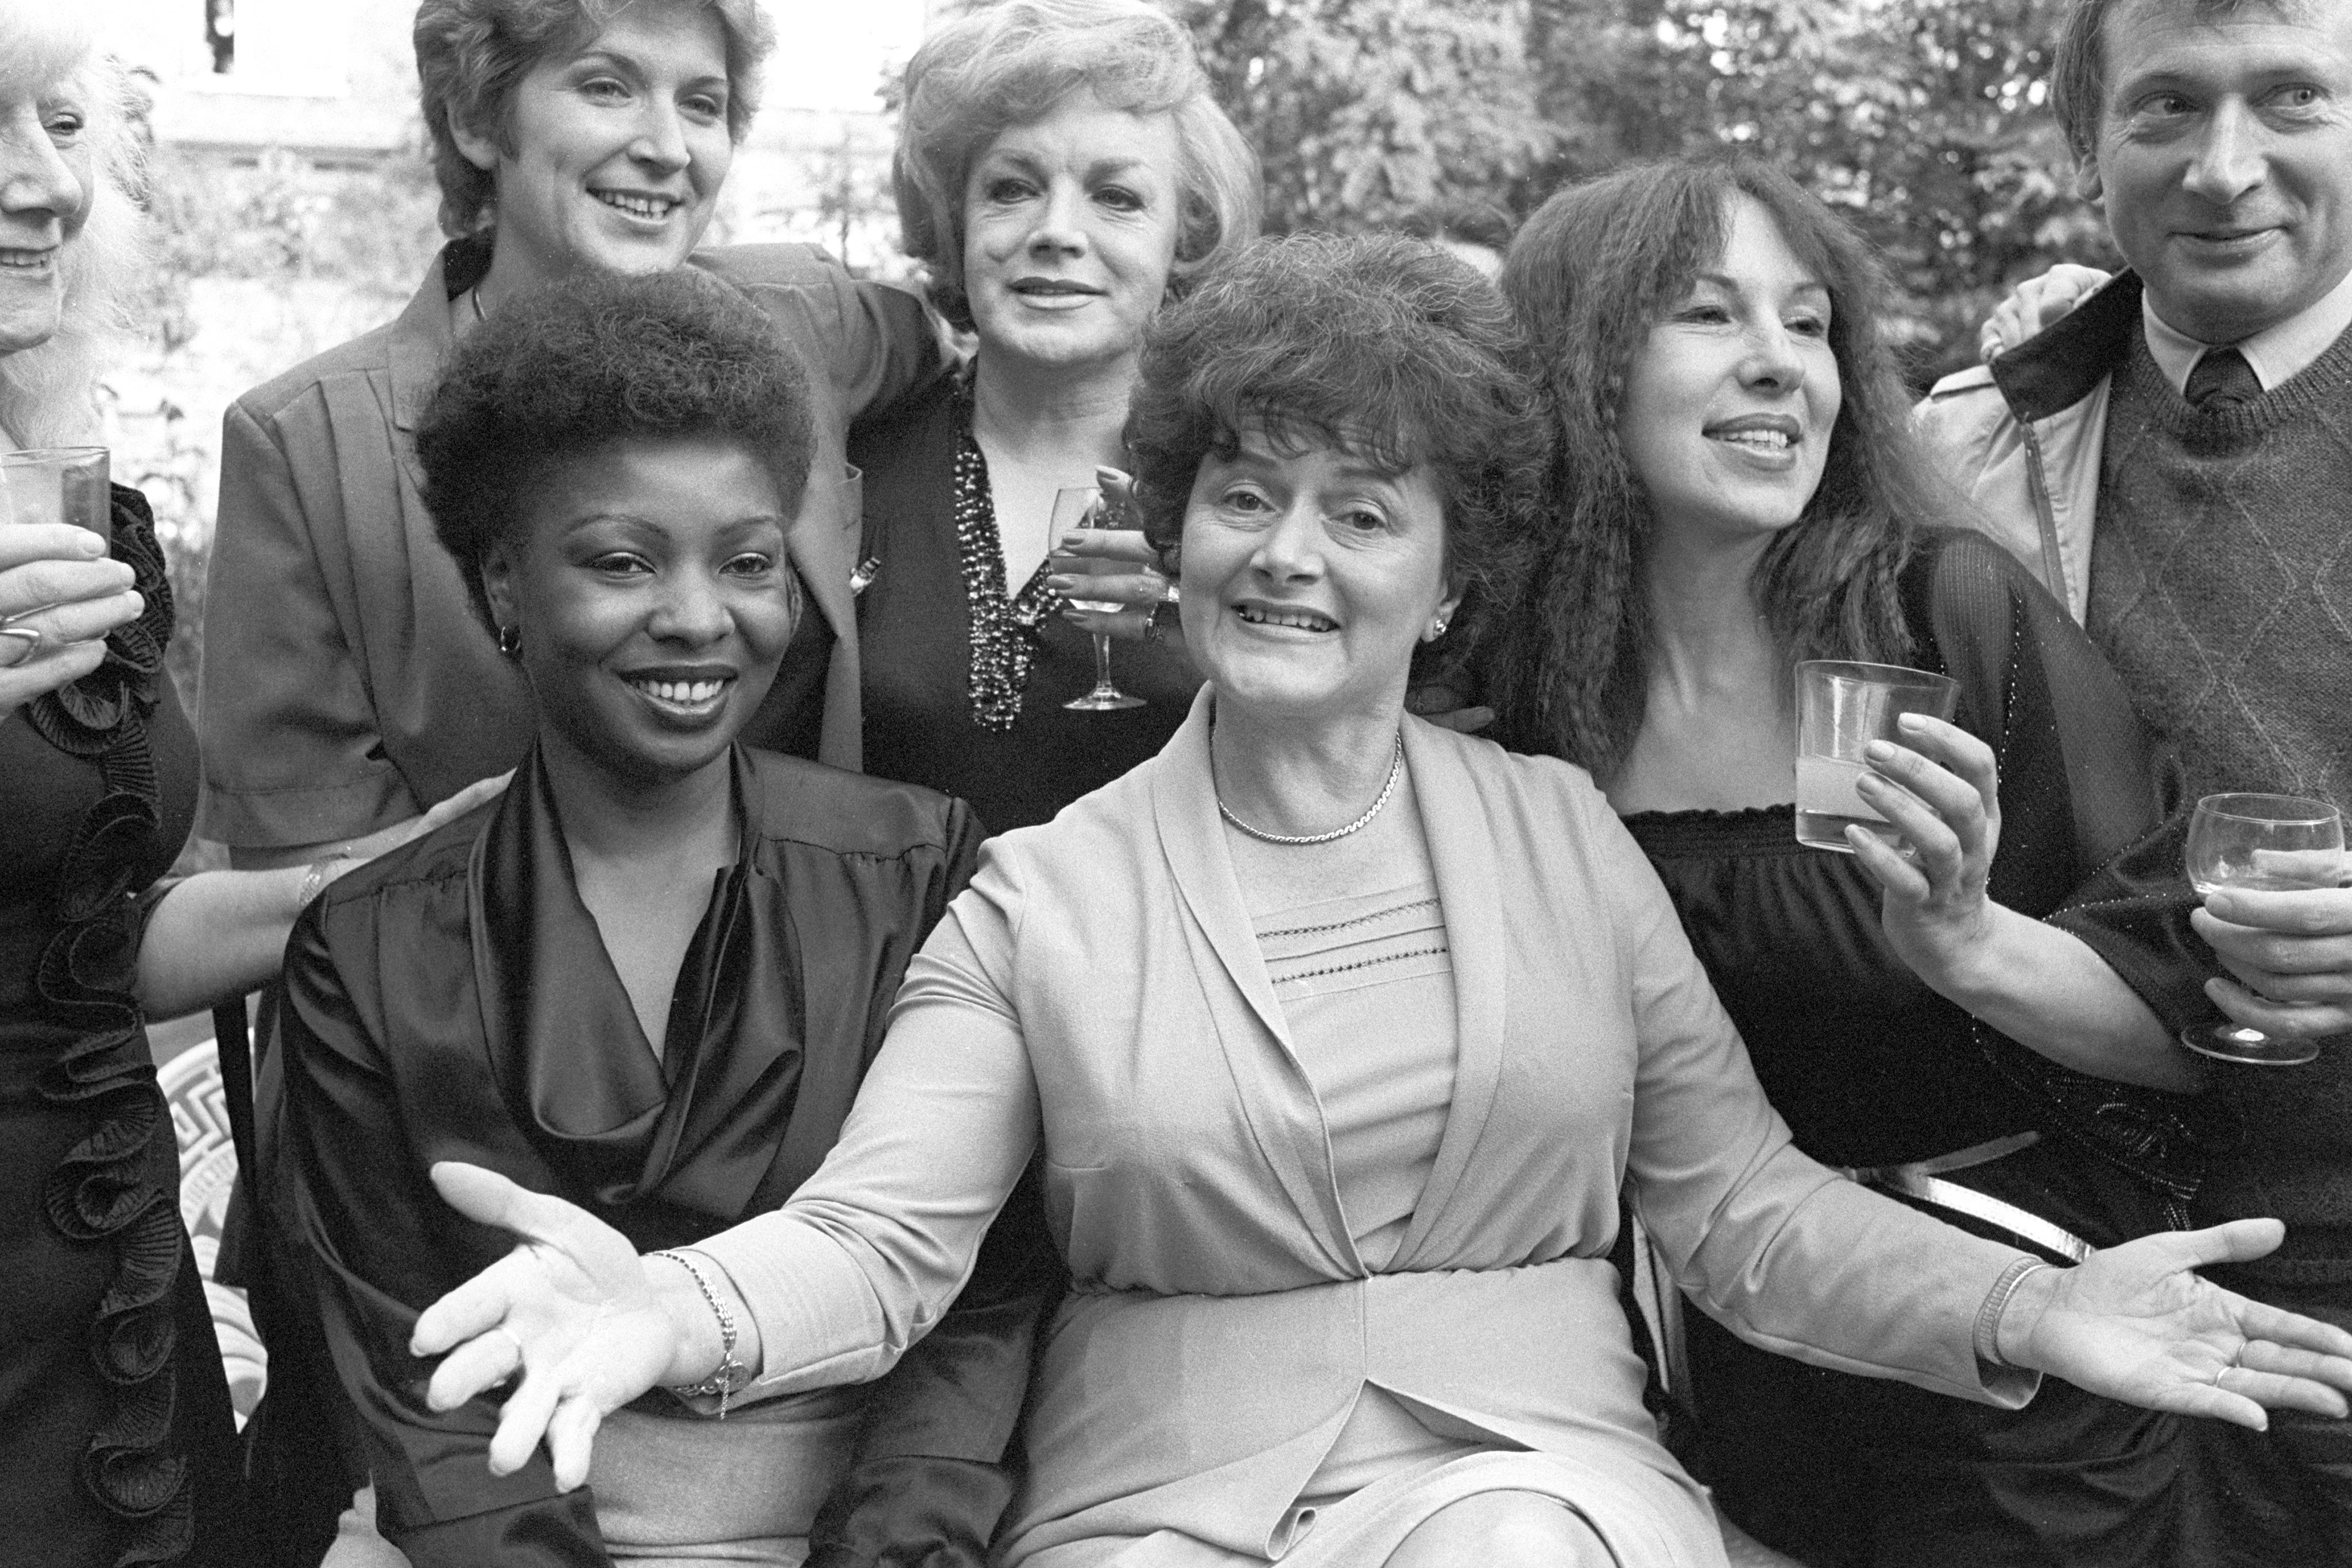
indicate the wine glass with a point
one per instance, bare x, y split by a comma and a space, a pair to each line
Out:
1080, 506
2260, 842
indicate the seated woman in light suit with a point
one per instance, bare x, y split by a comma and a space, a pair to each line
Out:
1339, 1033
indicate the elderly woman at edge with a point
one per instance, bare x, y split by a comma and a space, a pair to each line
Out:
1062, 170
1336, 1162
346, 684
117, 1443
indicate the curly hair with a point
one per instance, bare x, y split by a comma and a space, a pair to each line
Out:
471, 55
48, 393
563, 371
1591, 272
1013, 64
1385, 347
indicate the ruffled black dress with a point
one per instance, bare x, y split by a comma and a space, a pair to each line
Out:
117, 1443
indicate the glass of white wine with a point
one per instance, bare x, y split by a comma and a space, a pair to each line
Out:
1080, 506
2261, 843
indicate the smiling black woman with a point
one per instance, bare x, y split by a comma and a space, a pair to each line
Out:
647, 979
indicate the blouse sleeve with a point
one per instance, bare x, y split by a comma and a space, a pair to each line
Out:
2091, 821
2091, 832
869, 1254
373, 1246
1782, 1251
290, 754
931, 1475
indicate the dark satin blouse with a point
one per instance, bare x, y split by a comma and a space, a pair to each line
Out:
455, 1001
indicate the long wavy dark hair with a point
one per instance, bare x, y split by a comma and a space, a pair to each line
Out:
1591, 273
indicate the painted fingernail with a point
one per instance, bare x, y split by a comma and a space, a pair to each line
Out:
1879, 751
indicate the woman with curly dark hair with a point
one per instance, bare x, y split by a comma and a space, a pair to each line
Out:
648, 979
1981, 1021
1338, 1034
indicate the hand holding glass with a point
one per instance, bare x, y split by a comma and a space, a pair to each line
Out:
1841, 706
1080, 506
2270, 843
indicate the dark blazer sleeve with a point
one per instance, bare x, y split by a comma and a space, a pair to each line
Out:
936, 1460
373, 1245
291, 750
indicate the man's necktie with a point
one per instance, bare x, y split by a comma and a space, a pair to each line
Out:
2222, 380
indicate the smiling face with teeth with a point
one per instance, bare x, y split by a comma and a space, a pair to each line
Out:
654, 602
1730, 403
1309, 576
47, 178
613, 152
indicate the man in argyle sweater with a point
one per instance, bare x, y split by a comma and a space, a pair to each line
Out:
2174, 459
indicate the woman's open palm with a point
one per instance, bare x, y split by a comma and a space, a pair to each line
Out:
2136, 1324
572, 1308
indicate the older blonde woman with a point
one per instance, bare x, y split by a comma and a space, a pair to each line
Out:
347, 686
116, 1439
1062, 170
1339, 1035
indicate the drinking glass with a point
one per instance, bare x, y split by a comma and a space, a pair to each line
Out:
1841, 706
57, 485
2265, 842
1080, 506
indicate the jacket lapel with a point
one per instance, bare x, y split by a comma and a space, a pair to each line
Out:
1461, 836
1276, 1098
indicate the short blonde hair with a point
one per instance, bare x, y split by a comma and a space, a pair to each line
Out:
48, 393
1012, 64
471, 55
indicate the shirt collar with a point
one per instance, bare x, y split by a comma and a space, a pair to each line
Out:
2277, 354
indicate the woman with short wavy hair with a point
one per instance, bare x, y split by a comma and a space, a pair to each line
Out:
347, 686
1063, 172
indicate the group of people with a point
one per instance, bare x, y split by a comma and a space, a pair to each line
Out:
685, 1134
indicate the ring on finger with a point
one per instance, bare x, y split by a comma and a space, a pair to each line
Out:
27, 641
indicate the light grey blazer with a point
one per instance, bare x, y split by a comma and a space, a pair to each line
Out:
1099, 987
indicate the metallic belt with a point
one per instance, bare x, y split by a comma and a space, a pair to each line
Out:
1920, 1181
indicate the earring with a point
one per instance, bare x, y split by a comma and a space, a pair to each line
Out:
1436, 630
510, 641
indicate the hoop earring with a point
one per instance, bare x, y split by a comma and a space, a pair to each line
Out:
510, 641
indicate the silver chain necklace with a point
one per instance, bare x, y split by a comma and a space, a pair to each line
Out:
1396, 771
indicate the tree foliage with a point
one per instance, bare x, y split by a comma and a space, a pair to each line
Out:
1925, 122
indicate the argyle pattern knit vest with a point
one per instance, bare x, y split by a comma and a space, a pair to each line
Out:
2221, 590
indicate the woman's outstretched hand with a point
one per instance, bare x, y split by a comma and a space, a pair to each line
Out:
572, 1308
1941, 791
2135, 1323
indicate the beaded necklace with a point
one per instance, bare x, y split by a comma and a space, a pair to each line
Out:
1005, 633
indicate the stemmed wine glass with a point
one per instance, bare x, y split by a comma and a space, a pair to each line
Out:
1080, 506
2260, 842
